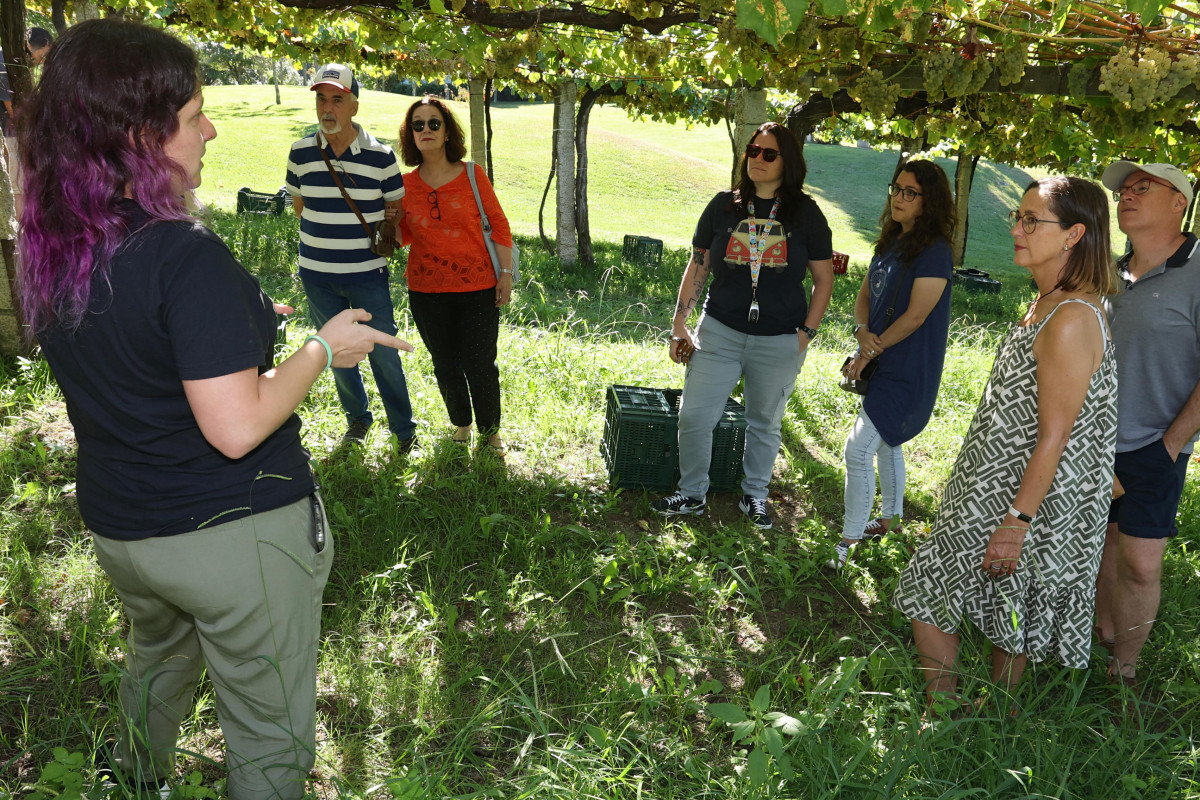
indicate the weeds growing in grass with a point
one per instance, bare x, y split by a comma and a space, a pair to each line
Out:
519, 630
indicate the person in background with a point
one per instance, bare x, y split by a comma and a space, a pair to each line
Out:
757, 242
337, 268
1156, 328
37, 45
191, 475
454, 290
901, 320
1017, 541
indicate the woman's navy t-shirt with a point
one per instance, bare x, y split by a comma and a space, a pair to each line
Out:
174, 306
903, 391
798, 236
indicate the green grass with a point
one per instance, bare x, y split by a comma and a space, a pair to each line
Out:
519, 630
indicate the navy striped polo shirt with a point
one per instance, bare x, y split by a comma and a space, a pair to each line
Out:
331, 238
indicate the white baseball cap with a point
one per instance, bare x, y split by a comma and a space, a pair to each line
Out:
1118, 171
337, 75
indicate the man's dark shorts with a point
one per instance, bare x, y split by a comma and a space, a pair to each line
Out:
1153, 485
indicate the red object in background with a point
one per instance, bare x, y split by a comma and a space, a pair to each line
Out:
841, 263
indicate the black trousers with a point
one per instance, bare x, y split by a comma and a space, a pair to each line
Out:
460, 330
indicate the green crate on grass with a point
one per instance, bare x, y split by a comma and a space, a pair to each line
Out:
640, 436
729, 444
640, 446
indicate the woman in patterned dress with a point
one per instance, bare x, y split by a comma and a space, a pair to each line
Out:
1018, 538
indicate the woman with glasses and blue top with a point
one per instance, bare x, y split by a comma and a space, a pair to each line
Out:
757, 242
1018, 538
901, 321
454, 290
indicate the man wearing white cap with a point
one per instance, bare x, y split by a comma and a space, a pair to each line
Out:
337, 268
1156, 330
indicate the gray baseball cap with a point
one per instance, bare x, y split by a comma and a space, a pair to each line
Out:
1118, 171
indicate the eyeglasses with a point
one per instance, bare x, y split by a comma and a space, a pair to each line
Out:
907, 192
768, 154
1028, 221
418, 125
1138, 188
434, 212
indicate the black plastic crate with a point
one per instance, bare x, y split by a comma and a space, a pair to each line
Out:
641, 440
640, 435
251, 202
642, 250
976, 280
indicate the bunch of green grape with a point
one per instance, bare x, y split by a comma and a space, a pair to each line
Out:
876, 95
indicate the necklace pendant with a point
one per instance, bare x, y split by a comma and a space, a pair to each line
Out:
753, 315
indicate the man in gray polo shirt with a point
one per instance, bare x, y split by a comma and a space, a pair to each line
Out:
1156, 330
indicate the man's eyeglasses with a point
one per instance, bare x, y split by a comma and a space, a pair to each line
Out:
418, 125
768, 154
1028, 221
1138, 188
907, 192
434, 211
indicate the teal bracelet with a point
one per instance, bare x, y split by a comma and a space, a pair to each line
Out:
328, 349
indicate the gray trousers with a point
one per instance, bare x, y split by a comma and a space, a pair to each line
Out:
244, 600
770, 365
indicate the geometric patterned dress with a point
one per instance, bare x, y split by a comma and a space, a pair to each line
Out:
1045, 609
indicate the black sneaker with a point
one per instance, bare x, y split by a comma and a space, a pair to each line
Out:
356, 433
755, 510
406, 446
678, 503
112, 779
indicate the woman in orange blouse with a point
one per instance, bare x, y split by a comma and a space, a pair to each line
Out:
454, 290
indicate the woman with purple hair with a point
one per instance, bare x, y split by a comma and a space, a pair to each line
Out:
191, 474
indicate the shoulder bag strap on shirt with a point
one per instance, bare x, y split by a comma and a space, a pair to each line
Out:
483, 217
345, 194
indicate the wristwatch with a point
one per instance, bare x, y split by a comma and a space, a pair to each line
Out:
858, 326
812, 332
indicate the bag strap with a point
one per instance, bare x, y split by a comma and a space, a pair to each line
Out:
483, 218
345, 194
487, 226
895, 296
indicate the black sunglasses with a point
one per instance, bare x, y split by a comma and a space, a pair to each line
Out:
768, 154
418, 125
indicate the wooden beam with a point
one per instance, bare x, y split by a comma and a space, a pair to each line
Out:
1048, 80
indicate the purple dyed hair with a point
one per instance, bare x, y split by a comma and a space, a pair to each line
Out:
92, 133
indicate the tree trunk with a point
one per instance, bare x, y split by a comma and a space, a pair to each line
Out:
478, 122
12, 39
488, 89
750, 109
564, 127
582, 225
964, 175
85, 10
58, 15
549, 180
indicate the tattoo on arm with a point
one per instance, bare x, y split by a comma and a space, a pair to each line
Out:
699, 279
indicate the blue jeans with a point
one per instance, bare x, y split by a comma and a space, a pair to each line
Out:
863, 443
770, 365
328, 295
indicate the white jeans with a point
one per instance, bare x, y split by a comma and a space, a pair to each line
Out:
861, 446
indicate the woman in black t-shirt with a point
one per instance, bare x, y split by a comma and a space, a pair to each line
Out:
191, 474
757, 242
